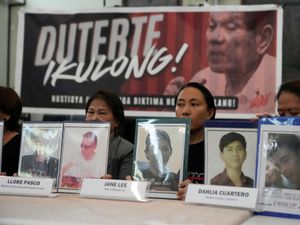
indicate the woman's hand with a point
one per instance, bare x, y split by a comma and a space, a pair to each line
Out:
106, 176
181, 193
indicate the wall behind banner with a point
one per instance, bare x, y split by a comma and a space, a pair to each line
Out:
3, 41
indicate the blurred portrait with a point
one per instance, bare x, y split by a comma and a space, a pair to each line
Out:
158, 151
81, 162
40, 152
283, 161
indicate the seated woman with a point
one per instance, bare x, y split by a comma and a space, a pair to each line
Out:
158, 152
105, 106
10, 112
233, 153
195, 101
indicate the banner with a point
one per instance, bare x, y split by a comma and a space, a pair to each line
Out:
145, 55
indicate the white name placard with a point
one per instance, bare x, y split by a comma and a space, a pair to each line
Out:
114, 189
222, 195
26, 186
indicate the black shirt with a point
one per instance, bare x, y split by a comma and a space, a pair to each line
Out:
10, 156
196, 161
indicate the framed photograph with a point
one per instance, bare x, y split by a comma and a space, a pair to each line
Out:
84, 153
230, 153
1, 141
135, 3
160, 157
278, 170
40, 149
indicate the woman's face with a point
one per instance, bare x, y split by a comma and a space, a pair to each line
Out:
234, 155
288, 104
100, 111
288, 161
191, 104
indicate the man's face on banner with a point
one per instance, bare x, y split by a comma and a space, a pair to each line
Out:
231, 45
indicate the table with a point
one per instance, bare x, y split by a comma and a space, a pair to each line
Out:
268, 220
71, 209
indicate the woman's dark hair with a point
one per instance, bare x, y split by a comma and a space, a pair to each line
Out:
113, 102
289, 86
10, 103
231, 137
206, 93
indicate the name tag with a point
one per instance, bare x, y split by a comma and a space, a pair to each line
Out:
114, 189
26, 186
222, 195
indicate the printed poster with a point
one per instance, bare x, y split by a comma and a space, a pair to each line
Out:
145, 55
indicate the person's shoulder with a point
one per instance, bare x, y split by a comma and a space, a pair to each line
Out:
14, 141
216, 180
53, 159
121, 146
125, 142
27, 157
202, 74
249, 182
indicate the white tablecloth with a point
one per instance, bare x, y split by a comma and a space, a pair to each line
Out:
268, 220
71, 209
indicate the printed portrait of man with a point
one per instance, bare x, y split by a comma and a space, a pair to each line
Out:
283, 161
41, 163
82, 163
233, 153
158, 150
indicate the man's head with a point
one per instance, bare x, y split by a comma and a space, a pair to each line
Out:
237, 41
88, 145
286, 156
233, 150
158, 148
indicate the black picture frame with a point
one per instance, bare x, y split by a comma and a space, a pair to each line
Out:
160, 155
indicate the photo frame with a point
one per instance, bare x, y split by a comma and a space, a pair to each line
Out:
40, 149
278, 167
135, 3
84, 153
230, 147
160, 155
1, 141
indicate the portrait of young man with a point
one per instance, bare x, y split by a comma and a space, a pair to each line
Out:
230, 157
